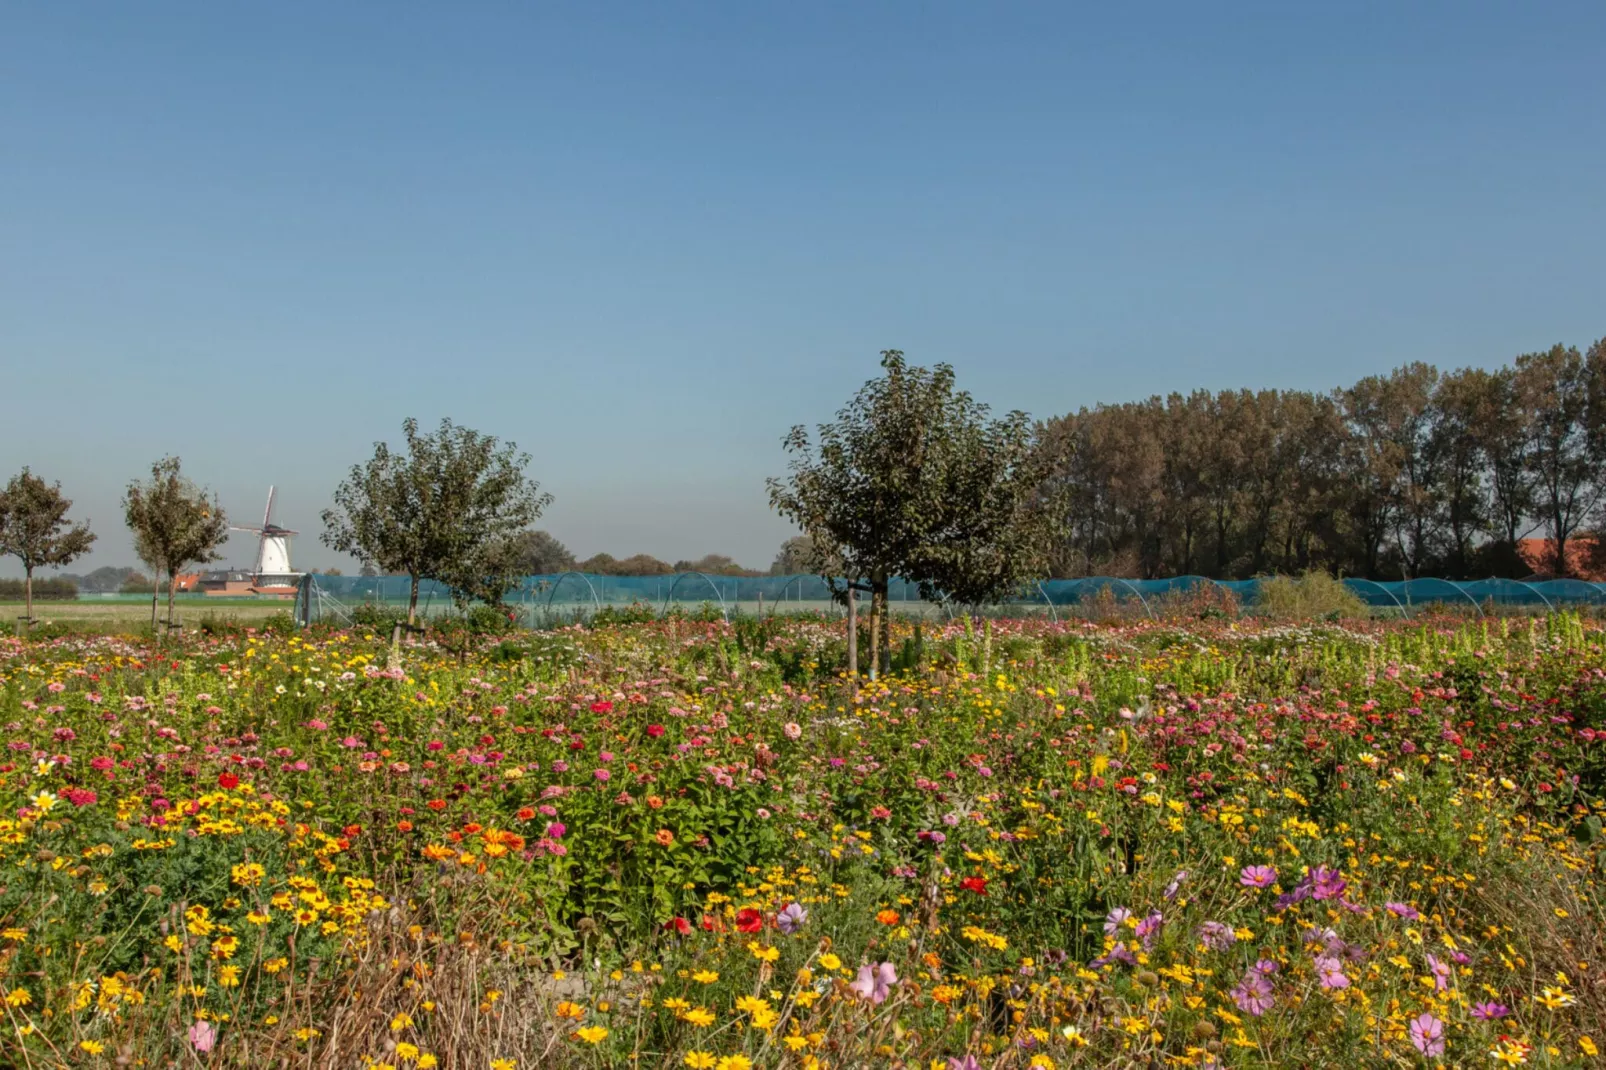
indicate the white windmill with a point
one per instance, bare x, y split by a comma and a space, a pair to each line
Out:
272, 569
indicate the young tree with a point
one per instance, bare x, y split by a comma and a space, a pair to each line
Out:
34, 528
913, 478
175, 524
447, 509
1554, 387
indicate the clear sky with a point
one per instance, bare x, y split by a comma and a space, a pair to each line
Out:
642, 240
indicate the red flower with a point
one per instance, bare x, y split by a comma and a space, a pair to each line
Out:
525, 813
655, 730
604, 706
974, 884
749, 920
713, 924
228, 781
677, 925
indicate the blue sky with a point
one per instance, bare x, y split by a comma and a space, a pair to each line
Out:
642, 240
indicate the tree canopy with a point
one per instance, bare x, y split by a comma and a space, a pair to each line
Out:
915, 479
34, 528
175, 524
448, 508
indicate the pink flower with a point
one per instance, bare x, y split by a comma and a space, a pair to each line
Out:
203, 1036
601, 774
556, 830
793, 730
655, 730
1257, 876
1427, 1034
875, 982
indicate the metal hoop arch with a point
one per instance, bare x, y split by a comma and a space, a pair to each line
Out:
724, 610
1397, 603
1144, 602
1052, 612
1456, 587
596, 603
1549, 605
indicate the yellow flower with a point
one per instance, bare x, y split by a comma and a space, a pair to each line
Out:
734, 1062
1553, 998
18, 997
762, 953
93, 1047
698, 1060
592, 1034
427, 1061
1587, 1046
566, 1009
701, 1017
503, 1064
406, 1052
830, 962
705, 977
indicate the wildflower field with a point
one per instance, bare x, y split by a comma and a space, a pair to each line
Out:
683, 843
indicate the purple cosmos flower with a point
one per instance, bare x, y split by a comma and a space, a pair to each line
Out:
1149, 927
1489, 1011
968, 1062
1331, 973
1427, 1034
1216, 936
1175, 885
1265, 966
1116, 954
1113, 920
1441, 973
875, 982
1257, 876
1253, 995
1326, 883
791, 918
1403, 910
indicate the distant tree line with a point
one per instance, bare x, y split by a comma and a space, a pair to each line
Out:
1414, 473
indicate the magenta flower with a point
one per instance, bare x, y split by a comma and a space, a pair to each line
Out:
1326, 883
1253, 995
1441, 972
1331, 973
968, 1062
1489, 1011
1403, 910
1113, 920
1257, 876
1427, 1034
874, 983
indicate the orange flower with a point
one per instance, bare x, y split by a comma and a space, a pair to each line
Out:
887, 917
664, 837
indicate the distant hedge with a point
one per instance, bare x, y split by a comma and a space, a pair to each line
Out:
44, 590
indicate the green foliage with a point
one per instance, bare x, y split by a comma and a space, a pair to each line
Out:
913, 479
175, 523
1313, 596
451, 508
34, 527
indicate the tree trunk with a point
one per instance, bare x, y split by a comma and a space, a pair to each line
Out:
156, 606
853, 634
28, 595
172, 587
875, 633
412, 603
